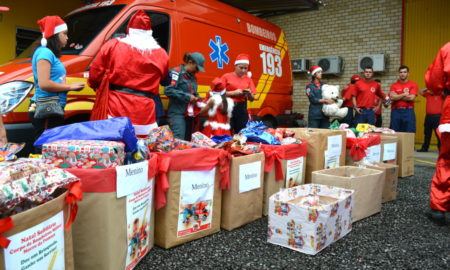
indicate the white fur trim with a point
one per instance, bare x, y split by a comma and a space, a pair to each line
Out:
60, 28
43, 41
237, 62
216, 125
217, 102
140, 39
444, 128
144, 129
219, 93
315, 71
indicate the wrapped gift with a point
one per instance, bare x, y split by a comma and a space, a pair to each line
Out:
20, 168
183, 145
84, 154
308, 218
160, 139
202, 139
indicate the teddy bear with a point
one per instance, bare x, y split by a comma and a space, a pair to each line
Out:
333, 110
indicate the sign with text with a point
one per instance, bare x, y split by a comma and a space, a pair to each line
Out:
131, 178
373, 153
294, 172
389, 151
335, 145
249, 176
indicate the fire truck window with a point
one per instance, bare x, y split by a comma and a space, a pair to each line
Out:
160, 27
24, 38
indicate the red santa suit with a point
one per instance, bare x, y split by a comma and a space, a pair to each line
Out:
437, 79
126, 73
218, 123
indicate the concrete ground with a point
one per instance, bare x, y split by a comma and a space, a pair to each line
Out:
426, 159
400, 237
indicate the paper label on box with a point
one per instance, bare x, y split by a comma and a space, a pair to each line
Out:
249, 176
335, 145
331, 161
139, 211
294, 172
131, 178
390, 151
39, 247
373, 153
196, 201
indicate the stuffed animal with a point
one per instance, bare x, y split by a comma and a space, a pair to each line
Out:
333, 110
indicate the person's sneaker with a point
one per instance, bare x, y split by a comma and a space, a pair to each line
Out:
422, 150
437, 216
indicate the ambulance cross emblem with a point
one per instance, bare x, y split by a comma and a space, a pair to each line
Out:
219, 52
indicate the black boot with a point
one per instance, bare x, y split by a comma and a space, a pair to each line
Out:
437, 216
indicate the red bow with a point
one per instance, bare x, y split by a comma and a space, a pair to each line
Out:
224, 161
75, 194
162, 183
358, 146
274, 155
6, 224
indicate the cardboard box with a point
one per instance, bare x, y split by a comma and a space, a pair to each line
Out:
242, 203
389, 146
390, 172
84, 154
43, 224
405, 153
308, 218
373, 151
326, 148
367, 184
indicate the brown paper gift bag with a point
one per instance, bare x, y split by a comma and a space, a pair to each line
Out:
317, 146
367, 184
405, 153
238, 208
37, 215
390, 172
100, 230
166, 233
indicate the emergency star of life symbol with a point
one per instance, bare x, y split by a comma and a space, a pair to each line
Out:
219, 52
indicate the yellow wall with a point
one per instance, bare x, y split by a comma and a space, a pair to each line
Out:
25, 14
426, 29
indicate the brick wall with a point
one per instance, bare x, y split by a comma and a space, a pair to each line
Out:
346, 28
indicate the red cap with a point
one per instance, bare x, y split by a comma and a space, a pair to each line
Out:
140, 20
314, 69
51, 25
242, 59
355, 78
217, 85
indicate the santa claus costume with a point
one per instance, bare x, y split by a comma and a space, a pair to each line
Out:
437, 79
220, 109
126, 75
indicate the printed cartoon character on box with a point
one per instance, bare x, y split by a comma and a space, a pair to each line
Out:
200, 211
187, 212
270, 231
337, 228
134, 239
313, 214
321, 237
334, 209
295, 239
282, 209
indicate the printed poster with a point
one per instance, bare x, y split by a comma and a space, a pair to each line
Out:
390, 151
373, 153
331, 161
39, 247
196, 201
294, 172
335, 145
249, 176
139, 211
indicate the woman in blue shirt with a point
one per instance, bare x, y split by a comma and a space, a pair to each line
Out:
49, 73
316, 118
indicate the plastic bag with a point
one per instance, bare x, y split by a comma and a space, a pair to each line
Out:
112, 129
256, 132
222, 138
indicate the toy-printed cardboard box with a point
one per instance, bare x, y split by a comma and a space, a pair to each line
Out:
367, 184
310, 217
390, 172
405, 153
242, 203
292, 159
363, 149
115, 223
38, 238
193, 199
95, 154
326, 148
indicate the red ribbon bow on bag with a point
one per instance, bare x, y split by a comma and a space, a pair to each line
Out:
162, 183
224, 161
274, 155
75, 194
358, 146
6, 224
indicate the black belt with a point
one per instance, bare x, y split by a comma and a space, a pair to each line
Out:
127, 90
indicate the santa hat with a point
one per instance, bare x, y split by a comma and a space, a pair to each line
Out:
51, 25
139, 32
355, 78
313, 70
217, 86
244, 59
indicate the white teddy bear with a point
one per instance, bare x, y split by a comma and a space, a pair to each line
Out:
333, 110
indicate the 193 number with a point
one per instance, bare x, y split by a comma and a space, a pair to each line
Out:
271, 64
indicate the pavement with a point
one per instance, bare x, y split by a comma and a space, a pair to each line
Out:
400, 237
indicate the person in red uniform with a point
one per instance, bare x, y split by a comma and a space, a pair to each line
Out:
434, 108
437, 79
347, 94
378, 112
126, 75
240, 88
219, 108
402, 93
364, 98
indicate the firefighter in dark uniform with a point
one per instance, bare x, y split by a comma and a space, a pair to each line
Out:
182, 94
316, 118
